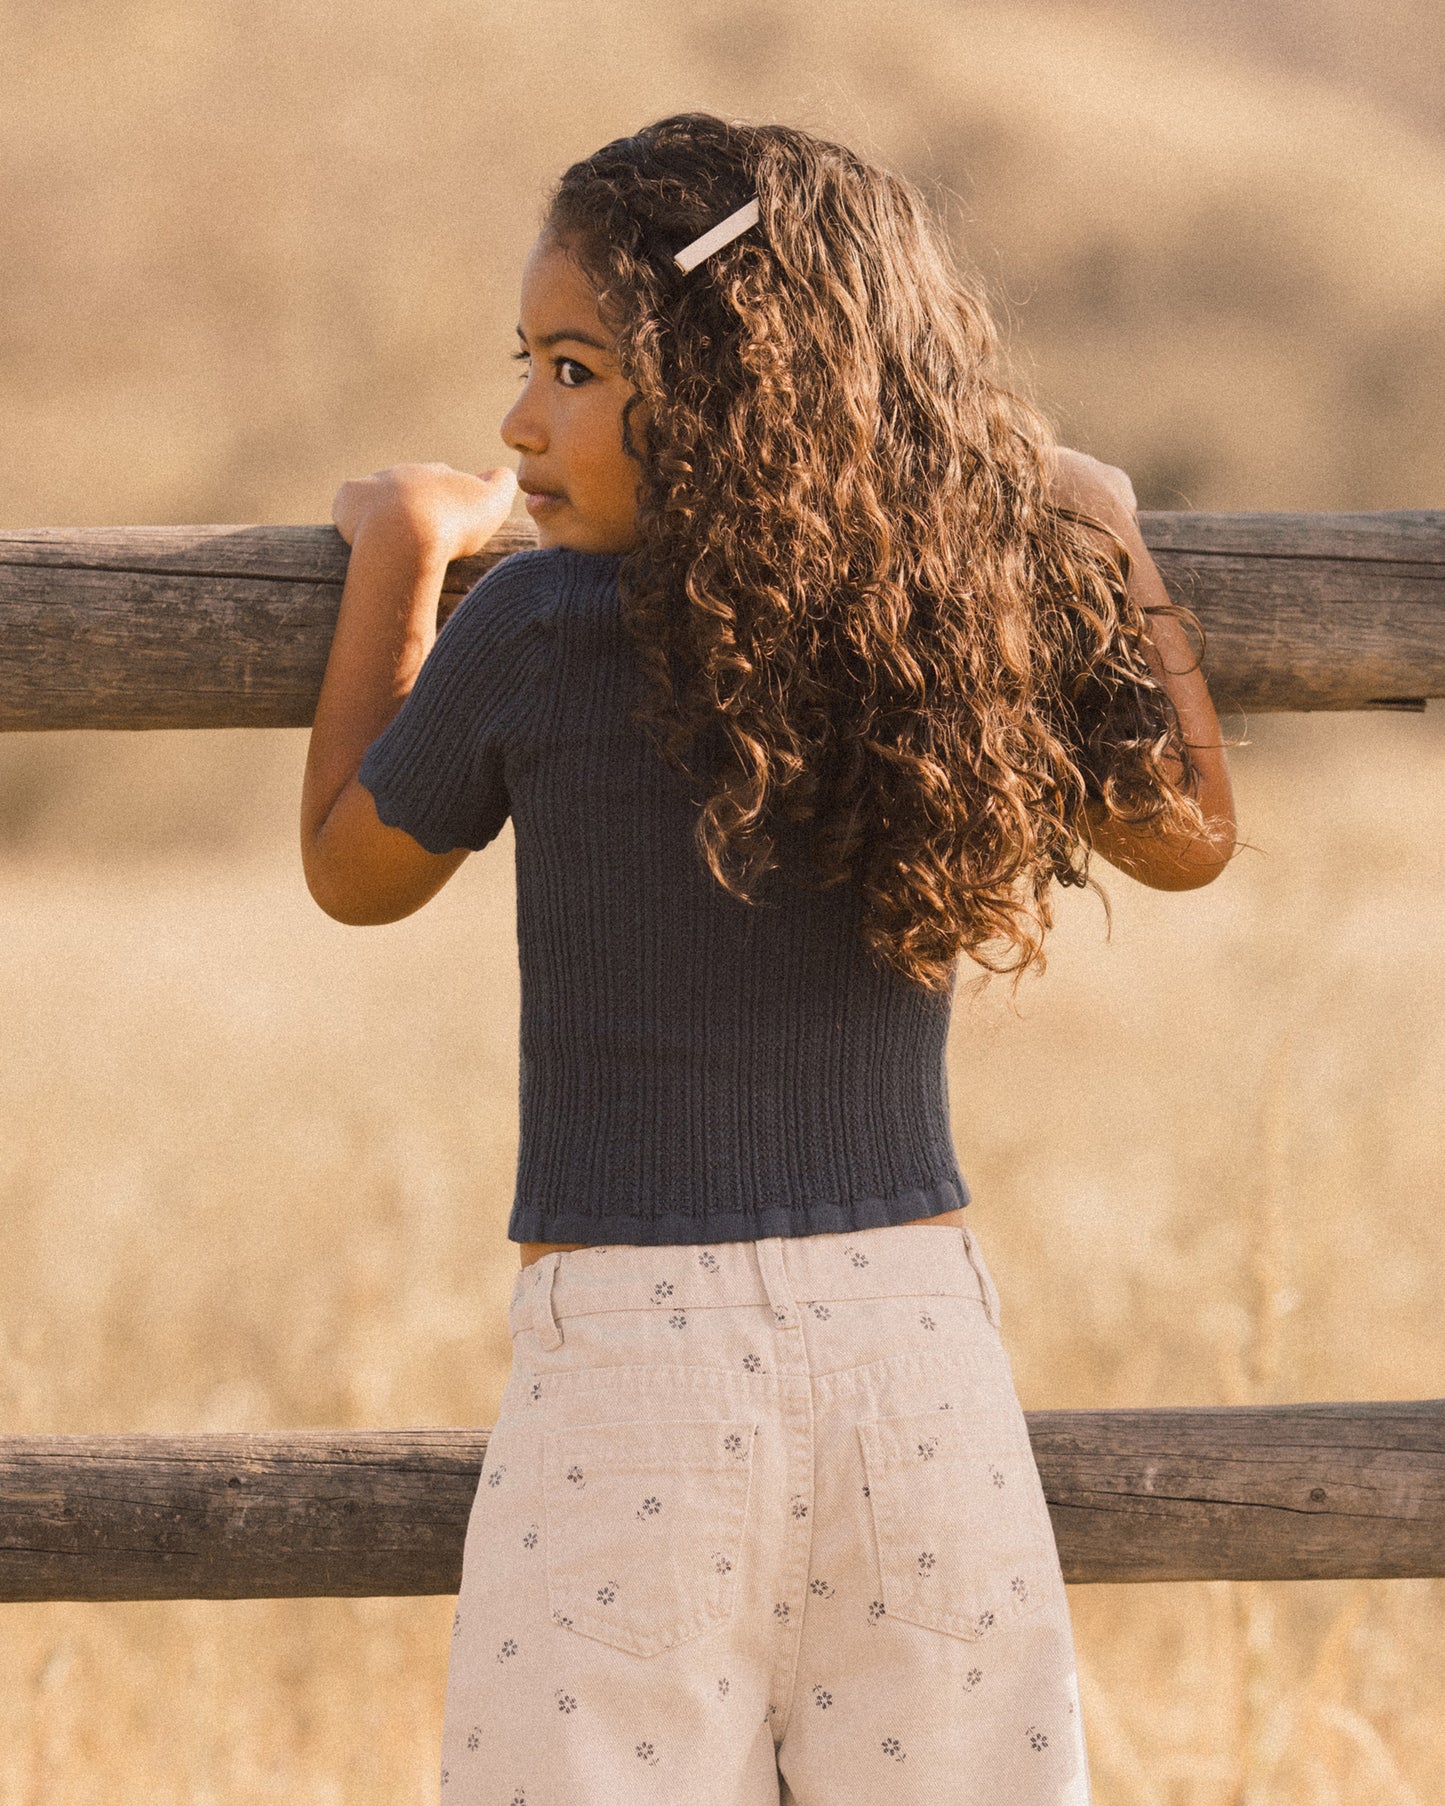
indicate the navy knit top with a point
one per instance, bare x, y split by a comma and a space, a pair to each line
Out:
693, 1068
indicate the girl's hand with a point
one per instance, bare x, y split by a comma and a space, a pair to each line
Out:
450, 513
1080, 480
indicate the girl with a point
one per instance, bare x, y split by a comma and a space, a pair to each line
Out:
827, 666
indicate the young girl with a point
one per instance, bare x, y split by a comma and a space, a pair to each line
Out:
827, 666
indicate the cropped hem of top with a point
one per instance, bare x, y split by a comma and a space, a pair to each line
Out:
692, 1068
679, 1228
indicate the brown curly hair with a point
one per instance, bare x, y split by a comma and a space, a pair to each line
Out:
848, 557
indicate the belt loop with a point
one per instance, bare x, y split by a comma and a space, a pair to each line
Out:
981, 1273
544, 1313
775, 1281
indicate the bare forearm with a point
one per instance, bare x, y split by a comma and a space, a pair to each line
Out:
1174, 663
385, 628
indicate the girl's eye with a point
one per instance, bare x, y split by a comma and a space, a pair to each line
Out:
518, 356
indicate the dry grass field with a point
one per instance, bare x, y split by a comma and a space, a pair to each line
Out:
256, 1170
255, 1167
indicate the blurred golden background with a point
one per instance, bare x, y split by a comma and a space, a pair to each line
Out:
256, 1166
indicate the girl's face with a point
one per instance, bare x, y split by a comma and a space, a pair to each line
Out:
566, 425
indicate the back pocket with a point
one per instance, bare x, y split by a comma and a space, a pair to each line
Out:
964, 1540
645, 1528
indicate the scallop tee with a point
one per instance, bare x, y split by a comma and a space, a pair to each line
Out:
693, 1068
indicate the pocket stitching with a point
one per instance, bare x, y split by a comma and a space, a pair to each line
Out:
685, 1615
892, 1515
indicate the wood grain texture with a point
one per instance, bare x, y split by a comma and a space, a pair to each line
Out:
1311, 611
322, 1513
148, 627
1258, 1492
1294, 1492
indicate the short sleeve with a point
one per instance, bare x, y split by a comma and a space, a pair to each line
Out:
437, 771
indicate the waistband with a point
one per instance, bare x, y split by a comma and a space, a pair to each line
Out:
898, 1260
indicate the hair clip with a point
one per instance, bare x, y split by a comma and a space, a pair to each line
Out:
717, 236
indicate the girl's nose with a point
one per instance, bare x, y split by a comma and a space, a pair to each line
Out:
521, 429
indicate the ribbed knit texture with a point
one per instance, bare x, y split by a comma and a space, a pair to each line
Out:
693, 1068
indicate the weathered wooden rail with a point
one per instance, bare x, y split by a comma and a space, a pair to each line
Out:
1278, 1492
229, 627
141, 627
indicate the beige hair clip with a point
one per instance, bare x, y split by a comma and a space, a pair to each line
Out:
717, 236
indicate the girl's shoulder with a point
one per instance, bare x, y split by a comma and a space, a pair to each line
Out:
533, 586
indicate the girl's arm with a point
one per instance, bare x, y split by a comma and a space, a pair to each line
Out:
404, 526
1163, 862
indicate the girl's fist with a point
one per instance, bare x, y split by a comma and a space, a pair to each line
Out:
452, 513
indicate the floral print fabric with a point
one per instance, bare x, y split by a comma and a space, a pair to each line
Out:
759, 1525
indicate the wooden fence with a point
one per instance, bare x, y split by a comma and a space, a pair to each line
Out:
1291, 1492
132, 627
229, 627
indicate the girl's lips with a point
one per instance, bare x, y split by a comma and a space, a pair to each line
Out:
539, 501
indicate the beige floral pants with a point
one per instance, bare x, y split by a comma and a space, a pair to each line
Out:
759, 1525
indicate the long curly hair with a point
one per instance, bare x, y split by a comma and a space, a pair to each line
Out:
848, 559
